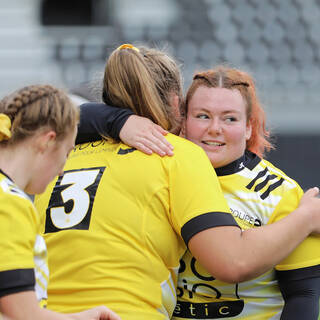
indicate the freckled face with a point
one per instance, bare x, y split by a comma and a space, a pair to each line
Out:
217, 122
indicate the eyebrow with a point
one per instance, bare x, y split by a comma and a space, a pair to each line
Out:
224, 112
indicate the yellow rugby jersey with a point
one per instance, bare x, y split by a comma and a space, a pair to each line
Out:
23, 250
258, 194
115, 222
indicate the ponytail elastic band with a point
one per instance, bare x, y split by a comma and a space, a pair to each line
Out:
128, 46
5, 126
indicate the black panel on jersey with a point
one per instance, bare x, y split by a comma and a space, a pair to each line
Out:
56, 200
271, 187
248, 160
258, 176
19, 280
126, 151
251, 160
206, 221
98, 119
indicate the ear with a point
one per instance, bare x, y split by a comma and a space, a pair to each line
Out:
248, 130
175, 104
46, 140
183, 128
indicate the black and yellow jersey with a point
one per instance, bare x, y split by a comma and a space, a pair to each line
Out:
23, 265
117, 222
258, 194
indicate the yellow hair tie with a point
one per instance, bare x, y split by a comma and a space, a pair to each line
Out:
5, 126
128, 46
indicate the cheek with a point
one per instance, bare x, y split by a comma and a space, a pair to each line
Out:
194, 129
238, 135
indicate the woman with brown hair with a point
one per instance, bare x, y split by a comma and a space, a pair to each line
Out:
38, 125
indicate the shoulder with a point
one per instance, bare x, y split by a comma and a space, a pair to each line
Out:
14, 200
180, 143
286, 181
11, 190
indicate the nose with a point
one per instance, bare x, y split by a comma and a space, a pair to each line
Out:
215, 127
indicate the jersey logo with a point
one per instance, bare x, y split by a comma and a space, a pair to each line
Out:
126, 151
72, 198
267, 177
204, 310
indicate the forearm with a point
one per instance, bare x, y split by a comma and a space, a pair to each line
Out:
24, 306
232, 255
272, 243
99, 119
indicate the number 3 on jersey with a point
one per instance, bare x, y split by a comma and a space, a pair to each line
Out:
72, 199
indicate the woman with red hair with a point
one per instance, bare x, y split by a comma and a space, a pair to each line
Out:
222, 114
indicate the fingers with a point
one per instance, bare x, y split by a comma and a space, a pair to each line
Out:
160, 129
312, 191
159, 142
145, 136
111, 316
104, 313
151, 144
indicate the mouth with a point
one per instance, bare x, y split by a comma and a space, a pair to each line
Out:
213, 143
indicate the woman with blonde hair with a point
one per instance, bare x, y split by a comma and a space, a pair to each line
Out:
224, 116
131, 217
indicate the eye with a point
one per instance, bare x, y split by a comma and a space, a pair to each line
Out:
202, 116
230, 119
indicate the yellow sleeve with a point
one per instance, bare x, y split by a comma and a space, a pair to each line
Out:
194, 187
18, 230
307, 253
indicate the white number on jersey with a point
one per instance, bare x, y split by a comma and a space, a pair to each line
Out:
72, 199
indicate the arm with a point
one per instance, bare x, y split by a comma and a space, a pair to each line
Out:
232, 255
300, 289
98, 119
24, 306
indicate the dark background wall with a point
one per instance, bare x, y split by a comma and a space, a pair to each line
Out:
298, 156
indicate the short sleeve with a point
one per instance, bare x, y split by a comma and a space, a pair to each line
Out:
18, 230
196, 199
307, 253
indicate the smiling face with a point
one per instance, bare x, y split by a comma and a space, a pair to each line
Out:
217, 122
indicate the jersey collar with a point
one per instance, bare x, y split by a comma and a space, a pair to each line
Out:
248, 160
6, 175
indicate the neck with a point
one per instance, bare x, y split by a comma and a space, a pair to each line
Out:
17, 163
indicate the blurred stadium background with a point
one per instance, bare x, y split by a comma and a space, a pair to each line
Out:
65, 42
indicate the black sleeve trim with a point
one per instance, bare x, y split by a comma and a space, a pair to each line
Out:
206, 221
19, 280
98, 119
299, 274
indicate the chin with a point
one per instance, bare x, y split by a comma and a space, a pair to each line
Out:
35, 190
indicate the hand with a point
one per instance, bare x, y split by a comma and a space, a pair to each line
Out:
311, 203
97, 313
146, 136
